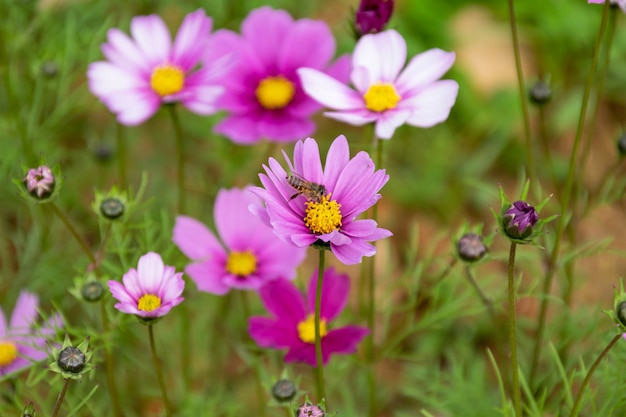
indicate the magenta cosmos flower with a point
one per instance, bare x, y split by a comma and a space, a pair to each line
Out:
146, 71
250, 256
151, 290
263, 92
323, 207
293, 323
620, 3
384, 95
21, 342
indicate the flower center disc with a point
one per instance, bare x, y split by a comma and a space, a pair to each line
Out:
306, 329
381, 96
167, 80
274, 93
241, 263
148, 302
323, 217
8, 353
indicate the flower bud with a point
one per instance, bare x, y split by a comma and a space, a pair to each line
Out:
519, 220
29, 410
72, 360
621, 145
92, 291
310, 410
372, 16
40, 182
284, 390
540, 93
49, 69
471, 247
112, 208
103, 152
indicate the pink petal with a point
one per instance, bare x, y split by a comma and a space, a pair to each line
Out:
382, 54
336, 159
284, 301
264, 29
309, 43
424, 68
240, 129
306, 161
106, 79
191, 40
328, 91
235, 224
150, 272
208, 276
389, 121
305, 353
194, 239
344, 340
124, 53
120, 294
202, 99
433, 104
25, 311
335, 289
354, 252
270, 333
355, 118
152, 37
282, 127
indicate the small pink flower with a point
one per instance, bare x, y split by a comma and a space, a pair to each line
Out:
346, 188
250, 256
151, 290
146, 71
385, 94
263, 94
39, 181
20, 343
292, 323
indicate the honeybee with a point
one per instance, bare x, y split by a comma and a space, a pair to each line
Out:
310, 190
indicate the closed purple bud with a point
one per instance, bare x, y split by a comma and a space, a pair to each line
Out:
519, 220
471, 247
310, 410
372, 16
39, 182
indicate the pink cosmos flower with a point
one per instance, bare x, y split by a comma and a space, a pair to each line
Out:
330, 199
292, 325
151, 290
146, 70
39, 181
251, 254
620, 3
20, 343
384, 94
263, 93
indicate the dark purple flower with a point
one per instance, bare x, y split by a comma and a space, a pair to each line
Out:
372, 16
519, 220
39, 181
292, 325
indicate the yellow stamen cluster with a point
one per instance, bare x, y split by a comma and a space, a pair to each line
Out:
381, 96
167, 80
148, 302
275, 93
306, 329
324, 216
8, 353
241, 263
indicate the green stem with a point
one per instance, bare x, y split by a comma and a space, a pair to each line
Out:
321, 393
180, 158
121, 155
108, 362
567, 191
579, 396
517, 394
74, 233
57, 405
530, 166
157, 368
260, 391
483, 298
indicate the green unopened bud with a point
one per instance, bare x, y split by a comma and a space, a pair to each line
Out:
284, 390
49, 69
621, 145
92, 291
112, 208
29, 410
540, 93
72, 360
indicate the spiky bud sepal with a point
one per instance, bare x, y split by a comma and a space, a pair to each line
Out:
117, 205
72, 362
618, 312
519, 221
41, 184
89, 288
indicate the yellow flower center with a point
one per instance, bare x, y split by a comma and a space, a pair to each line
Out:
8, 353
381, 96
323, 217
306, 329
241, 263
149, 302
274, 93
167, 79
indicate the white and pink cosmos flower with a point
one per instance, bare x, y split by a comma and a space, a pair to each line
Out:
384, 93
143, 72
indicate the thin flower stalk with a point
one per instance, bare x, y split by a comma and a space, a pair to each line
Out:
121, 155
567, 192
75, 234
517, 394
257, 372
108, 363
180, 158
159, 372
61, 397
321, 391
583, 386
530, 166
